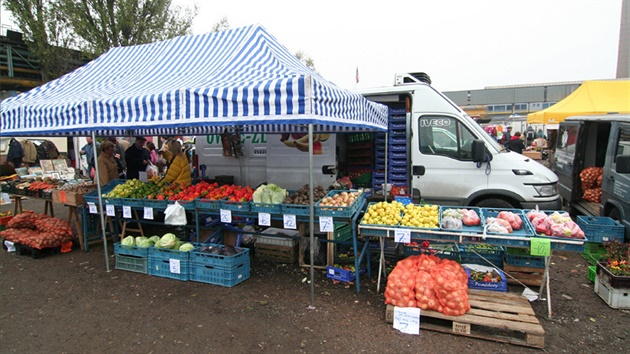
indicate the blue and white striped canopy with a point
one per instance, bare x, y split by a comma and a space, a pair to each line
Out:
191, 85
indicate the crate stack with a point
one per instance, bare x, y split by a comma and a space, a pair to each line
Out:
131, 258
360, 159
281, 249
397, 152
218, 269
167, 263
598, 230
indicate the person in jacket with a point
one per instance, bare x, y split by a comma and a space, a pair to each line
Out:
119, 157
88, 151
137, 158
516, 144
107, 168
178, 169
15, 153
152, 152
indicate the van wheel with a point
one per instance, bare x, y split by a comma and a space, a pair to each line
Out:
614, 214
494, 203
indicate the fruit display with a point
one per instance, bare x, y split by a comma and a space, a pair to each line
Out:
132, 188
425, 216
557, 224
340, 198
301, 196
383, 213
468, 217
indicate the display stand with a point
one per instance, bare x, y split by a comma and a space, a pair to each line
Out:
75, 220
136, 220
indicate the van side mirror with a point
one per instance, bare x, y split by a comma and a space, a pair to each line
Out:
329, 170
622, 164
479, 151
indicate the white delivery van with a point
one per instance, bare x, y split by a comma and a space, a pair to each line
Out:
272, 158
443, 156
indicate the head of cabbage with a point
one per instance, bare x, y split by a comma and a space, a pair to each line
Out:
128, 241
167, 241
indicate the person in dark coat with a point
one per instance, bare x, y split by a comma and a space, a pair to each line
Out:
137, 158
516, 144
15, 153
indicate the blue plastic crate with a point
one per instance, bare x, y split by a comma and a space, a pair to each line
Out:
402, 163
397, 125
396, 169
600, 228
397, 155
266, 208
526, 229
186, 204
235, 206
397, 140
296, 209
397, 176
131, 250
164, 253
476, 229
520, 257
220, 260
396, 112
342, 275
162, 268
132, 202
342, 212
155, 203
209, 274
493, 254
379, 153
132, 263
397, 148
208, 204
92, 197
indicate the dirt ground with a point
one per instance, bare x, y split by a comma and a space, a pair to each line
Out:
68, 303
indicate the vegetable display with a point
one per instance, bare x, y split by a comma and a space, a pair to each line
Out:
468, 217
557, 224
168, 241
429, 283
269, 194
37, 230
301, 196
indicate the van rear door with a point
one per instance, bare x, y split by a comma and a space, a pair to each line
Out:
565, 165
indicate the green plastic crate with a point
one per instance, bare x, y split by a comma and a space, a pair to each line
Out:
592, 273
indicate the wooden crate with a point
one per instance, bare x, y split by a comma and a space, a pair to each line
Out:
276, 253
496, 316
527, 275
68, 198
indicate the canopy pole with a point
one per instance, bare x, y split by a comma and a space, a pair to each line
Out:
311, 222
100, 201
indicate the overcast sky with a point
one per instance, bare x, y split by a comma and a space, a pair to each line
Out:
461, 44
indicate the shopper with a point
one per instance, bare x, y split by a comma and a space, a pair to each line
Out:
152, 152
137, 158
516, 143
88, 151
178, 169
119, 157
15, 154
107, 168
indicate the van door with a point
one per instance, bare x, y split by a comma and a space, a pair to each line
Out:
441, 155
616, 181
565, 165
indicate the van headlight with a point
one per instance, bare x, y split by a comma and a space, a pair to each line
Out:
546, 190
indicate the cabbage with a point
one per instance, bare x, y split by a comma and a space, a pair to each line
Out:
128, 241
178, 244
167, 241
187, 247
140, 239
146, 243
257, 196
269, 194
155, 239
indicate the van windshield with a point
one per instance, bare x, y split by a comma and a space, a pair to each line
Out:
445, 136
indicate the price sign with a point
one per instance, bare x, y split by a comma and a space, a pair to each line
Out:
407, 319
92, 207
174, 266
126, 212
289, 221
326, 224
148, 213
264, 219
62, 196
226, 216
110, 210
402, 235
540, 246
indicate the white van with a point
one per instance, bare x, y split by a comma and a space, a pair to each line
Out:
443, 156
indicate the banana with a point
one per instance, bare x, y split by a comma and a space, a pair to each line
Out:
324, 137
289, 143
301, 146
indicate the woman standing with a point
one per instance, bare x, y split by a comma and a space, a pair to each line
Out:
107, 167
178, 169
151, 147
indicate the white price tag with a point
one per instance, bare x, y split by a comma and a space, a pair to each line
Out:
148, 213
226, 216
10, 246
326, 224
407, 319
174, 266
110, 210
402, 235
289, 221
264, 219
92, 207
126, 212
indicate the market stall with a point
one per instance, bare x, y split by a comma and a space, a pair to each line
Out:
241, 80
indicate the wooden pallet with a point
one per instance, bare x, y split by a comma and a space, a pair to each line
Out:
497, 316
526, 275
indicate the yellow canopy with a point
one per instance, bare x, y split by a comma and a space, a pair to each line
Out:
592, 97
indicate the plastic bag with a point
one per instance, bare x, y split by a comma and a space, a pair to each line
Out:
175, 214
151, 170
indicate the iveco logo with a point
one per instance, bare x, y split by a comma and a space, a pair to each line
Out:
436, 122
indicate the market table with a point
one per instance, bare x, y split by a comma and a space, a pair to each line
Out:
383, 232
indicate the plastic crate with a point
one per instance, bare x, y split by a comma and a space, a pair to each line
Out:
525, 230
132, 202
615, 281
166, 254
219, 260
161, 268
296, 209
600, 228
592, 273
209, 274
155, 203
476, 229
234, 206
341, 212
445, 250
397, 125
208, 204
397, 148
132, 263
521, 257
131, 250
615, 298
359, 137
593, 252
92, 197
36, 253
493, 254
266, 208
397, 140
342, 275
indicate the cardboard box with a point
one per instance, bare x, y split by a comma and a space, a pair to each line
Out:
68, 198
536, 155
493, 285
